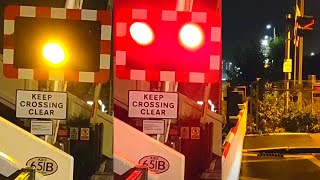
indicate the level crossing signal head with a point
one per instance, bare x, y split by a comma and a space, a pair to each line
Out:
47, 43
167, 45
305, 23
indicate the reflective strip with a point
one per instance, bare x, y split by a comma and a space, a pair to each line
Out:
167, 76
196, 77
199, 17
140, 14
86, 76
104, 61
214, 62
8, 56
106, 32
58, 13
90, 15
169, 15
215, 34
121, 29
8, 27
121, 58
138, 74
27, 11
25, 73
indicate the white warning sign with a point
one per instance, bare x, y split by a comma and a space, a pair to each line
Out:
144, 104
41, 127
41, 105
74, 133
153, 126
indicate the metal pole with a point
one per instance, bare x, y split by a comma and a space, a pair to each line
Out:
287, 58
295, 65
96, 96
57, 88
205, 102
300, 59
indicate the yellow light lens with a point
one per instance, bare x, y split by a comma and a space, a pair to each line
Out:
191, 36
141, 33
54, 53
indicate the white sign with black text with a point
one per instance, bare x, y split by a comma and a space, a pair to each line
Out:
144, 104
41, 104
41, 127
153, 126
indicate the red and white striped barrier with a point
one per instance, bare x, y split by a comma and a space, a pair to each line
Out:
232, 153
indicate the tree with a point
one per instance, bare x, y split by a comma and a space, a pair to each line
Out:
249, 64
276, 56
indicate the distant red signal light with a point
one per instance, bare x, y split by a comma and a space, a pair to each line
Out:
191, 36
141, 33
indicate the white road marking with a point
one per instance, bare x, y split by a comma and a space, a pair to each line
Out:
250, 178
315, 160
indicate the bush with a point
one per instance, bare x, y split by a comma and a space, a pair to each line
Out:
273, 118
299, 121
271, 110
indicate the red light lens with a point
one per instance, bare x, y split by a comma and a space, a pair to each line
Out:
141, 33
191, 36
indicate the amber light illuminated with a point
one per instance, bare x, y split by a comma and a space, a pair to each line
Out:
191, 36
54, 53
141, 33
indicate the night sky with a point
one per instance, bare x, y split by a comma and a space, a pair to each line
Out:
245, 20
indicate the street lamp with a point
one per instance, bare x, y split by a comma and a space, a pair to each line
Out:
274, 30
230, 63
264, 42
53, 53
312, 53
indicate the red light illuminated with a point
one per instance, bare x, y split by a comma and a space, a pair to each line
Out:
141, 33
191, 36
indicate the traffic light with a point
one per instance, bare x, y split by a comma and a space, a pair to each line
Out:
305, 23
167, 45
46, 43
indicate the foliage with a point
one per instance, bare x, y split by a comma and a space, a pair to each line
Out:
79, 119
274, 118
276, 56
250, 61
234, 76
299, 121
85, 91
271, 111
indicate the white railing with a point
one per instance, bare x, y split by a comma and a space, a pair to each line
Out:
133, 145
232, 153
23, 146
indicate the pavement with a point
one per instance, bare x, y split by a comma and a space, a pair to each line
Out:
214, 171
301, 140
280, 166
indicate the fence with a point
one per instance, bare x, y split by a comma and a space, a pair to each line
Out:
232, 153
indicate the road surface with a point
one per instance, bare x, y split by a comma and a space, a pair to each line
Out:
286, 166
